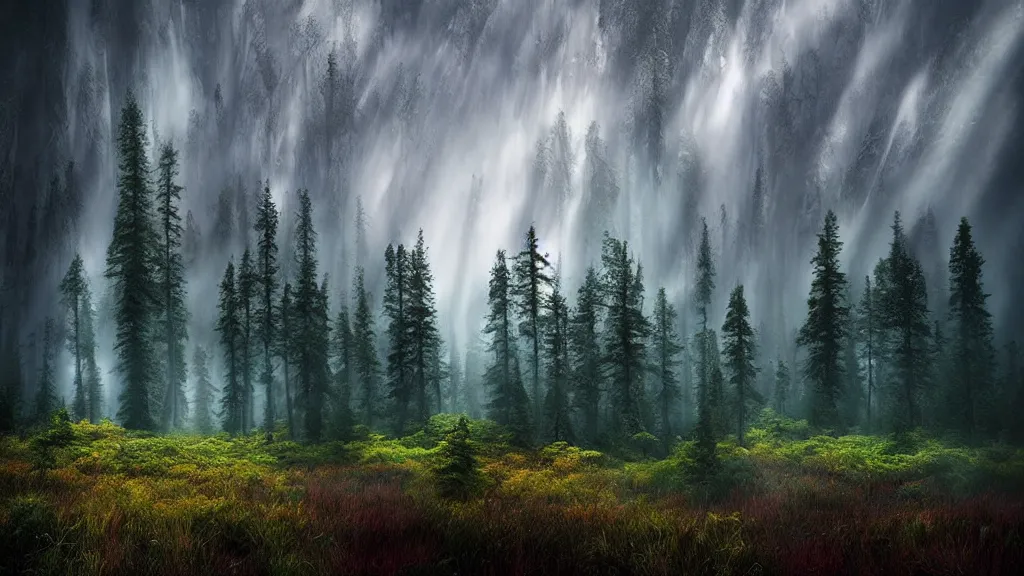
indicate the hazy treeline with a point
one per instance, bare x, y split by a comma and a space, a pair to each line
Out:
603, 367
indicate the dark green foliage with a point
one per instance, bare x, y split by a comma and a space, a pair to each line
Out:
851, 401
170, 272
530, 283
230, 328
664, 363
625, 335
365, 361
973, 353
267, 281
247, 318
824, 331
904, 304
309, 321
46, 395
707, 358
342, 418
457, 474
312, 398
10, 387
400, 353
423, 335
285, 349
204, 397
739, 360
509, 405
130, 258
869, 336
585, 345
782, 386
57, 434
73, 291
555, 333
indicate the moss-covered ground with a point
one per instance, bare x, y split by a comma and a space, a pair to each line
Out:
95, 499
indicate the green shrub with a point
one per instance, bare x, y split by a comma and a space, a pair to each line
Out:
457, 473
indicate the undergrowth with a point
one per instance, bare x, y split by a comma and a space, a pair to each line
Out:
96, 499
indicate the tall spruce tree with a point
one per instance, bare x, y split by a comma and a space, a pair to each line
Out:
824, 331
905, 312
46, 395
130, 257
229, 326
314, 396
739, 358
204, 391
782, 386
266, 278
973, 352
869, 331
555, 331
247, 316
625, 334
665, 362
342, 418
706, 444
73, 290
509, 405
307, 305
286, 350
171, 277
852, 398
10, 386
400, 354
531, 283
366, 363
424, 336
585, 345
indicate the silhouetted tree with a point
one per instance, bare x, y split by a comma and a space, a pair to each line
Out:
73, 295
555, 332
247, 316
267, 282
46, 395
509, 405
824, 331
973, 353
400, 353
530, 284
424, 337
230, 328
129, 270
739, 353
586, 353
782, 385
367, 366
664, 361
171, 276
204, 391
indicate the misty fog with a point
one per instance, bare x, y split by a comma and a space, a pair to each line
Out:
472, 119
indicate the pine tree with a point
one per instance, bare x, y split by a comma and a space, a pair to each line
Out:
458, 474
869, 331
313, 397
531, 283
625, 334
706, 444
782, 386
367, 366
204, 391
555, 331
87, 347
424, 337
171, 277
344, 375
10, 387
852, 397
509, 405
739, 353
824, 331
905, 311
46, 395
230, 328
586, 353
307, 304
285, 349
400, 353
665, 362
129, 270
247, 316
266, 279
973, 352
73, 289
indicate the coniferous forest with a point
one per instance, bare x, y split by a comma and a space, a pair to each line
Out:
283, 376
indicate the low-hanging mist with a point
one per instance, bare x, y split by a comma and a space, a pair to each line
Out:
473, 119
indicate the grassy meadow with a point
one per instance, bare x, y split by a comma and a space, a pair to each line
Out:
96, 499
